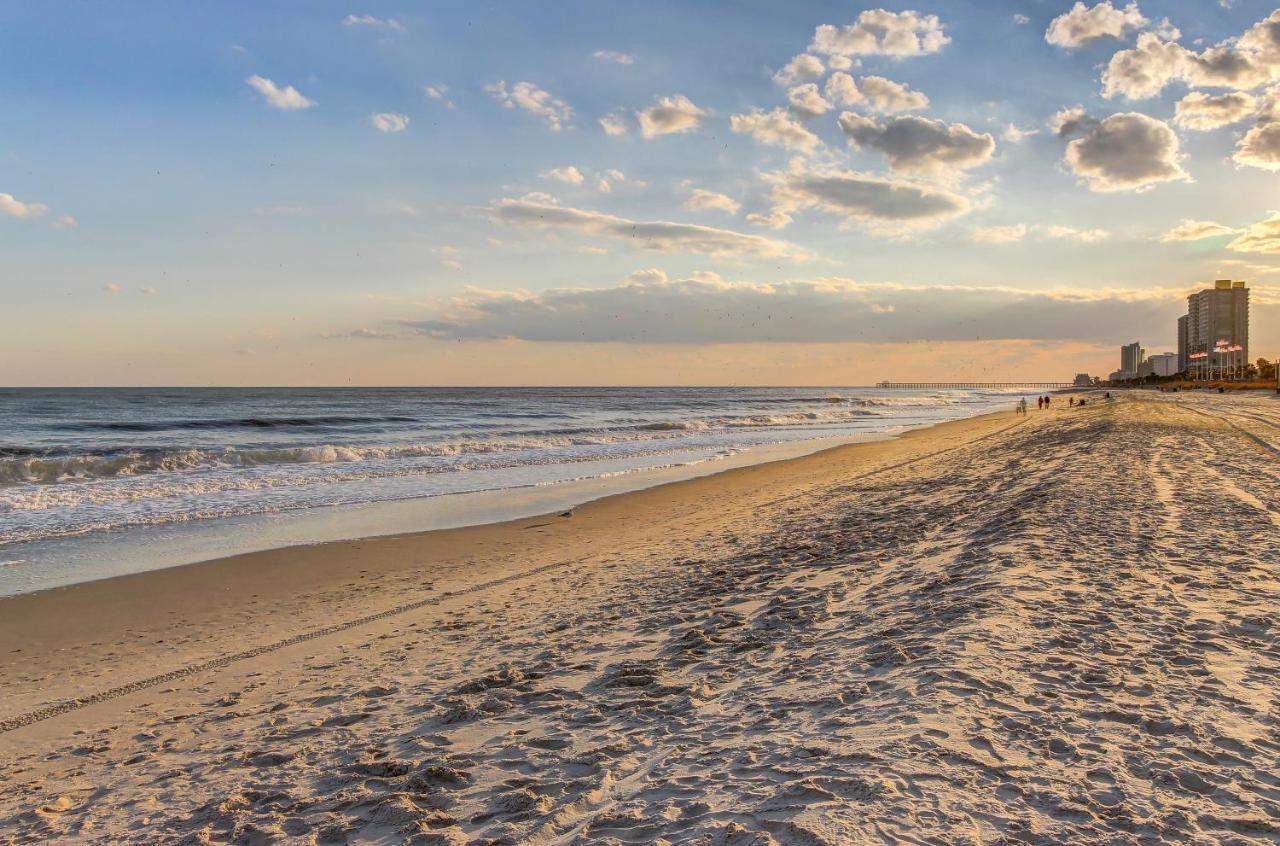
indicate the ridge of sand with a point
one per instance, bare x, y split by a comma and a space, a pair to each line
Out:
1056, 632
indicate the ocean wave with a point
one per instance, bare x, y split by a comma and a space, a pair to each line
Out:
229, 423
28, 467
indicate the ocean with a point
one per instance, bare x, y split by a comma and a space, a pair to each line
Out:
86, 473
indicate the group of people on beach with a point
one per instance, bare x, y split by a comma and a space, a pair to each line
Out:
1041, 403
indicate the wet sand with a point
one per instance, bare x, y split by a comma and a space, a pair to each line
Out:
1048, 629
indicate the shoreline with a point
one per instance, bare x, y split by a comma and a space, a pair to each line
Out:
180, 614
60, 561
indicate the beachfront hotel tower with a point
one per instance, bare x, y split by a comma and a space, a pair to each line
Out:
1213, 337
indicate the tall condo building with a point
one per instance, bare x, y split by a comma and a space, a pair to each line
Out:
1131, 356
1213, 338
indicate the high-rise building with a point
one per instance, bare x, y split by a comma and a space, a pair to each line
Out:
1216, 330
1130, 359
1164, 364
1182, 344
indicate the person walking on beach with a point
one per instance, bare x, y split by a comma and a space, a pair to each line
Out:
1021, 407
1040, 403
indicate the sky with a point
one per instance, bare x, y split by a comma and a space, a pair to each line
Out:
317, 193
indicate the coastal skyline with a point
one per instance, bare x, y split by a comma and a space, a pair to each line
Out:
817, 194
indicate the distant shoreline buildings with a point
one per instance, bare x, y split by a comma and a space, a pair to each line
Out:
1213, 339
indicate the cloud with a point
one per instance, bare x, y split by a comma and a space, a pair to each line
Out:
999, 234
65, 221
1263, 39
801, 67
1260, 237
371, 21
1068, 233
111, 288
843, 90
1083, 25
914, 144
875, 92
885, 95
806, 101
613, 56
361, 334
1123, 152
1016, 134
614, 124
647, 307
147, 291
700, 199
287, 98
1072, 122
878, 32
390, 122
670, 115
1194, 230
438, 91
1260, 147
776, 128
13, 207
1021, 19
1202, 111
880, 205
532, 99
569, 174
541, 213
1144, 70
611, 177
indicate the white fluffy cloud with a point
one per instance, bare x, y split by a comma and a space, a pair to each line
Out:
999, 234
1244, 64
670, 115
371, 21
542, 213
1195, 230
806, 101
1123, 152
438, 91
843, 90
13, 207
885, 95
914, 144
880, 205
1084, 25
287, 98
390, 122
648, 307
700, 199
878, 32
1260, 147
1070, 233
614, 124
875, 93
800, 68
570, 175
1260, 237
1015, 134
534, 100
776, 128
613, 56
1202, 111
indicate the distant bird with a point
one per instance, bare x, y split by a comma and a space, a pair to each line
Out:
568, 513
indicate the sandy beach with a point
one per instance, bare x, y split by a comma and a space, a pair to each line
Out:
1051, 629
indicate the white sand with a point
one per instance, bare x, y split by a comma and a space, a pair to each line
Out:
1061, 630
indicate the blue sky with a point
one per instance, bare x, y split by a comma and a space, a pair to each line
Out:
167, 223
